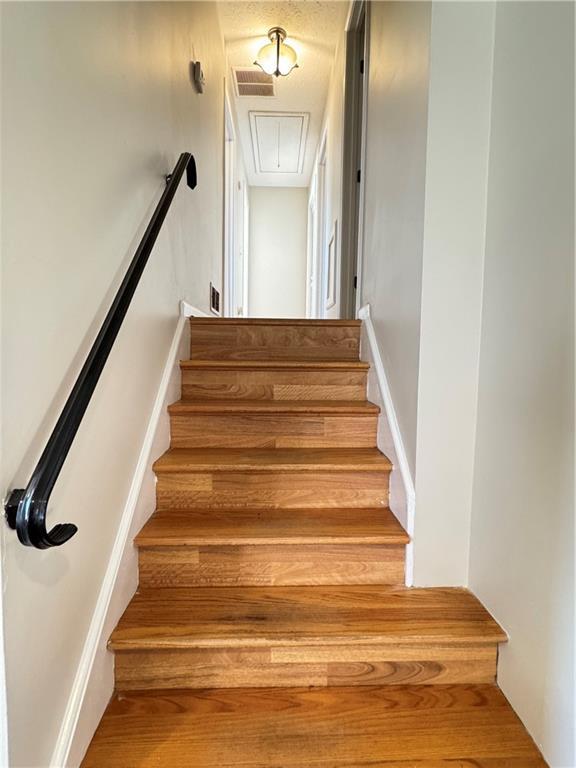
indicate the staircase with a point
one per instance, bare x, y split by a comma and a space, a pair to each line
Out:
272, 626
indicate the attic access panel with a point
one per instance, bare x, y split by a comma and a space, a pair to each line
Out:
279, 141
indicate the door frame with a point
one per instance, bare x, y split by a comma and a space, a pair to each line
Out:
321, 230
354, 146
228, 276
316, 272
245, 246
311, 254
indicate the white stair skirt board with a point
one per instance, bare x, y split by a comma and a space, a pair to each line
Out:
3, 704
189, 311
402, 493
94, 682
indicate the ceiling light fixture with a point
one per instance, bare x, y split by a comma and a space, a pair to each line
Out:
277, 58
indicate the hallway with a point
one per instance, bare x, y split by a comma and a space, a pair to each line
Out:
282, 164
287, 342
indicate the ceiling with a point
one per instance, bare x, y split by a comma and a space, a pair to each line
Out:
285, 126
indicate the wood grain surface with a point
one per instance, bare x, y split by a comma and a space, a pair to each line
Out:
267, 616
452, 726
271, 564
271, 628
272, 526
273, 424
240, 340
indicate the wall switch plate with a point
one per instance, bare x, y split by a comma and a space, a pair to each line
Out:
214, 300
197, 76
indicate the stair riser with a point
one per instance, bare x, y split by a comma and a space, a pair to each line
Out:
273, 384
268, 565
273, 431
288, 667
272, 489
274, 342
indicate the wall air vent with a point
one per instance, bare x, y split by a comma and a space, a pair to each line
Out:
253, 82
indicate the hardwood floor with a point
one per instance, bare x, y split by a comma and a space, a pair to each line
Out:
461, 726
272, 627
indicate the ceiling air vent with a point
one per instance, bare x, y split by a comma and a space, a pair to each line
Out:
253, 82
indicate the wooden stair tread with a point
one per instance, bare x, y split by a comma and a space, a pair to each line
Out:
272, 526
213, 321
443, 726
273, 364
355, 407
275, 460
275, 561
289, 616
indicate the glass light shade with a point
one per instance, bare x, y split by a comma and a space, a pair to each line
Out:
277, 58
266, 58
287, 59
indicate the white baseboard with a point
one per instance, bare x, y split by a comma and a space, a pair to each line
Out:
3, 702
402, 492
95, 673
190, 311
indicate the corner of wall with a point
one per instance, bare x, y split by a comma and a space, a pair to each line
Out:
458, 138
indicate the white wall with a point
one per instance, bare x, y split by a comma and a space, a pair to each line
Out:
469, 270
394, 209
97, 105
277, 262
522, 542
462, 37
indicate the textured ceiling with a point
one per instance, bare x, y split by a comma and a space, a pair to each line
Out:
311, 21
314, 29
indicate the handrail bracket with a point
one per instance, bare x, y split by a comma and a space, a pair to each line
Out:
12, 504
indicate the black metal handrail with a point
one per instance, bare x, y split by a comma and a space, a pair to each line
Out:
26, 508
